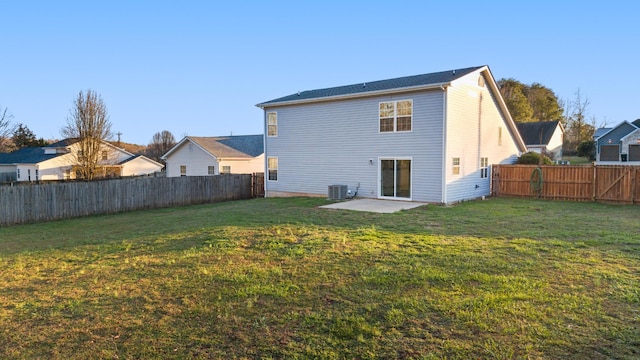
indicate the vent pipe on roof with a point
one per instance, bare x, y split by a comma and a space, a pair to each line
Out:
364, 84
454, 72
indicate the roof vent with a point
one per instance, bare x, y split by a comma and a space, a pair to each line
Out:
364, 84
298, 93
454, 72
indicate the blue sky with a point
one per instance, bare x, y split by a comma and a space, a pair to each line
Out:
199, 67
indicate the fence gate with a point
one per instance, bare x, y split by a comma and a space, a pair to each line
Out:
615, 184
257, 185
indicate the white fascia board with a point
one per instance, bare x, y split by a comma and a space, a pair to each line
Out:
355, 96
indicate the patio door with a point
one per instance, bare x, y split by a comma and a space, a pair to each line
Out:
395, 178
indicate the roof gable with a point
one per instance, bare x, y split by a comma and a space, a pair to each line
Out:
620, 130
406, 82
239, 146
537, 133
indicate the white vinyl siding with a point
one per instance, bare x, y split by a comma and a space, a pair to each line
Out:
476, 129
310, 161
196, 160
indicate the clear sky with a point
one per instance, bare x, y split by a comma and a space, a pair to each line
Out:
199, 67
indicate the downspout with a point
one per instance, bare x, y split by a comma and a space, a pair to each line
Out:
444, 144
266, 158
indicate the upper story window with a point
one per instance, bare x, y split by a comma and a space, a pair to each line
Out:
226, 169
272, 124
183, 170
211, 170
396, 115
105, 155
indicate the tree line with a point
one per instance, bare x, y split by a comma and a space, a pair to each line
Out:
89, 123
536, 102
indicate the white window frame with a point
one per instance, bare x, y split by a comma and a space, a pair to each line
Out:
395, 158
183, 170
226, 169
211, 170
455, 165
270, 169
18, 173
394, 116
105, 155
272, 122
484, 167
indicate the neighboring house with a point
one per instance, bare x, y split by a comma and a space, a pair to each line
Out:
428, 138
543, 137
620, 143
58, 161
202, 156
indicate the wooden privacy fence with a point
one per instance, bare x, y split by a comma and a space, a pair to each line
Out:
58, 200
605, 183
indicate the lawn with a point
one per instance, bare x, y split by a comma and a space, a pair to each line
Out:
282, 279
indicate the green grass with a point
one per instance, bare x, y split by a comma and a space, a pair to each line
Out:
280, 278
577, 160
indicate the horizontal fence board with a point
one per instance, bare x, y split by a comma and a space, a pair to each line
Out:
28, 203
606, 183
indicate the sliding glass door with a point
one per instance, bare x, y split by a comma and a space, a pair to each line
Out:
395, 178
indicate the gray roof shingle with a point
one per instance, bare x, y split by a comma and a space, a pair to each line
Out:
537, 133
31, 155
442, 77
232, 146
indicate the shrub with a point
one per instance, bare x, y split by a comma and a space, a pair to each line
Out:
534, 158
587, 149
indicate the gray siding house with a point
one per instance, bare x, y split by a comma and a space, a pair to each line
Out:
428, 138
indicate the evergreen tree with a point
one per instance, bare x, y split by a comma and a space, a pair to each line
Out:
23, 137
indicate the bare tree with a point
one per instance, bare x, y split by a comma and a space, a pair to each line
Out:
89, 124
160, 144
6, 129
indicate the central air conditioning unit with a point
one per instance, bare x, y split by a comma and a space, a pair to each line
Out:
337, 192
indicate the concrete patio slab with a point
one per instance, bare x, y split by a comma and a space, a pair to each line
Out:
374, 205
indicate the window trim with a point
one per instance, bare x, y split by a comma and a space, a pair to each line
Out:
226, 169
183, 167
395, 116
211, 169
484, 167
274, 124
270, 169
455, 168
